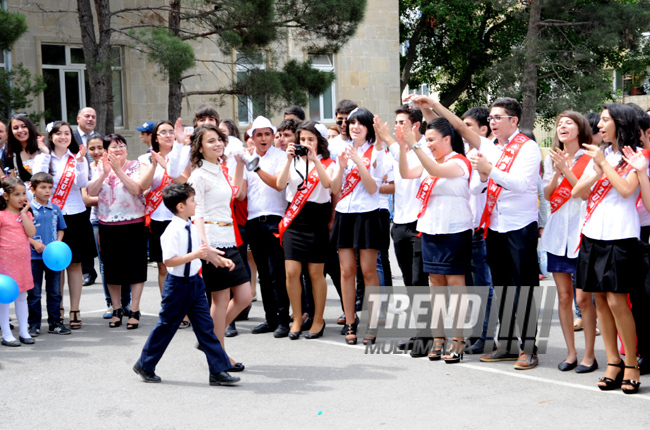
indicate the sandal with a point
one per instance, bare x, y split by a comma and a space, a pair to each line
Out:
455, 353
578, 324
136, 316
436, 350
634, 384
184, 323
117, 313
370, 337
351, 330
612, 384
75, 324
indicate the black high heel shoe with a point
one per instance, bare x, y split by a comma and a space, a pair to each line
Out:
436, 349
311, 335
635, 384
455, 353
351, 330
136, 316
612, 384
118, 313
294, 335
370, 337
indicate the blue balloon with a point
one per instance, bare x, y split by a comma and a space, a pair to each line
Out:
57, 256
8, 289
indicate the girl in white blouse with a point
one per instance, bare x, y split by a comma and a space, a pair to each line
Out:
609, 258
562, 169
214, 221
445, 218
306, 238
64, 158
357, 225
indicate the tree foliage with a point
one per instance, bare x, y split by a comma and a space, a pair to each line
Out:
578, 43
172, 55
19, 87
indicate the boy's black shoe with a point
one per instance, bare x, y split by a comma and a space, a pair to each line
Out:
58, 329
223, 378
34, 331
146, 376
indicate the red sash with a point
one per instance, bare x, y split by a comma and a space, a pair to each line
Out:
64, 186
300, 198
235, 190
646, 154
504, 164
600, 190
426, 186
155, 198
562, 193
353, 178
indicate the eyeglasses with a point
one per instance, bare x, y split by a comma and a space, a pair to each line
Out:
116, 147
166, 133
498, 118
341, 121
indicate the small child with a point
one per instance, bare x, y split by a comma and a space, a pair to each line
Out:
16, 227
184, 291
49, 223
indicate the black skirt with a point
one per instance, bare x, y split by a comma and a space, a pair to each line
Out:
79, 237
609, 266
307, 237
156, 229
447, 254
221, 278
123, 249
361, 230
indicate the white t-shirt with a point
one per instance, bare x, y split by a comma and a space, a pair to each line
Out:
161, 213
360, 200
74, 204
320, 193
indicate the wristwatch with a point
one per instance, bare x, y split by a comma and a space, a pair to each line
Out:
416, 145
256, 169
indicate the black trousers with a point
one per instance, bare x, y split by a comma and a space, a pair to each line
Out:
269, 258
512, 257
640, 300
184, 296
408, 250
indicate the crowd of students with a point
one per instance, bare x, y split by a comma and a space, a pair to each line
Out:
307, 201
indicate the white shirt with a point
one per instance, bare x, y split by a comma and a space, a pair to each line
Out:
360, 200
179, 158
320, 193
384, 199
562, 232
262, 199
407, 205
174, 244
448, 208
615, 217
517, 204
161, 213
74, 204
213, 194
336, 146
477, 199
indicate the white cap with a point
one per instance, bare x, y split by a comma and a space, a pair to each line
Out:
322, 129
259, 123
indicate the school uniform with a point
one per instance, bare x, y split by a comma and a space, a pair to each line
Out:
266, 207
406, 240
609, 257
183, 294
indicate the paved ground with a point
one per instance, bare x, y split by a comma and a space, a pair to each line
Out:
85, 381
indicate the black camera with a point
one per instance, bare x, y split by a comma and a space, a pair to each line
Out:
300, 150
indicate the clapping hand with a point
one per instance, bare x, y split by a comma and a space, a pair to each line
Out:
635, 159
81, 155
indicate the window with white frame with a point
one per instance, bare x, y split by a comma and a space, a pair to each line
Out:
249, 107
64, 71
321, 108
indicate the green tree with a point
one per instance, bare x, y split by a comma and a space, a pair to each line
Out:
17, 87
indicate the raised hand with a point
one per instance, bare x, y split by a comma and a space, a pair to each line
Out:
594, 152
382, 129
106, 165
81, 155
635, 159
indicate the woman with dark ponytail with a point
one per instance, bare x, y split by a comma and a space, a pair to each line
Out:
445, 218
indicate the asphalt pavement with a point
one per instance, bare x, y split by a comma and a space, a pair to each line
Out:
85, 381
